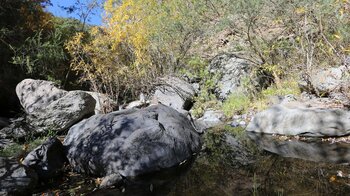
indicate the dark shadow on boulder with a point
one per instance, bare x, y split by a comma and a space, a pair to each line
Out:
131, 143
47, 159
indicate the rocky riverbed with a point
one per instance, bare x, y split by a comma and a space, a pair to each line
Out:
230, 163
155, 146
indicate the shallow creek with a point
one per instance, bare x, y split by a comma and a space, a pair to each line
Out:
236, 163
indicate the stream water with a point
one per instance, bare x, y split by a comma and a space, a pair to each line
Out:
233, 163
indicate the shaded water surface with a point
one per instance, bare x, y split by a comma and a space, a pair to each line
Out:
233, 163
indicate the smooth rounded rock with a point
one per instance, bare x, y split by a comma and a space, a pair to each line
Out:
64, 112
301, 121
131, 142
37, 94
211, 118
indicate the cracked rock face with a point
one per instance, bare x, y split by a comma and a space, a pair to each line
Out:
325, 82
131, 142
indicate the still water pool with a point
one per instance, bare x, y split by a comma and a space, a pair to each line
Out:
233, 163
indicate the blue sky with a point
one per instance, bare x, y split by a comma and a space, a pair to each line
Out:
57, 11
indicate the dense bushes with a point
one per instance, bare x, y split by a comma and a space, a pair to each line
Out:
32, 45
19, 20
284, 35
143, 39
44, 56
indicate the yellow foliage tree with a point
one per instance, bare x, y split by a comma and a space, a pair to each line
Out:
131, 23
141, 39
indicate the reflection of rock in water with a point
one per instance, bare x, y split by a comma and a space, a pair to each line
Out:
236, 153
217, 170
313, 151
155, 183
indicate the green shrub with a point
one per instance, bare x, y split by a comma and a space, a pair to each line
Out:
12, 150
16, 149
205, 99
197, 67
240, 102
286, 87
42, 57
236, 103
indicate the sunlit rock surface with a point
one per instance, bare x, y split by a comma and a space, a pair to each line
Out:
175, 93
48, 108
301, 121
230, 70
211, 118
37, 94
64, 112
103, 102
324, 82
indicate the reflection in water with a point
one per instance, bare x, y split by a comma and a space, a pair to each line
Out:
231, 164
313, 151
156, 183
303, 168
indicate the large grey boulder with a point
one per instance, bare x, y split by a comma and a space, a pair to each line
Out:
16, 179
301, 121
37, 94
175, 93
324, 82
63, 113
229, 70
131, 142
49, 108
47, 160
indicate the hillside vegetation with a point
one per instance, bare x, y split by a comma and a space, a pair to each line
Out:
141, 40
